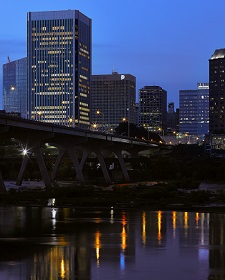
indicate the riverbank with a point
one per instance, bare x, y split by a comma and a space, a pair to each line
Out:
208, 197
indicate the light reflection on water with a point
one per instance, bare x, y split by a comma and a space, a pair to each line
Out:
63, 243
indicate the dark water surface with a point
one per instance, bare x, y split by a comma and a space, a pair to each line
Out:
51, 243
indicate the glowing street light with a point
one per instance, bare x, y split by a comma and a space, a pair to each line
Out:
128, 125
94, 127
39, 115
24, 152
161, 131
102, 120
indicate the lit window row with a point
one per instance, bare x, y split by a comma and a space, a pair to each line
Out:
84, 109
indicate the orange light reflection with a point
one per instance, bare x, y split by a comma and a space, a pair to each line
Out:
159, 216
185, 220
197, 218
62, 269
97, 246
144, 228
124, 234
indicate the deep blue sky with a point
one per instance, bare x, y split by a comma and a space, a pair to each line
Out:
161, 42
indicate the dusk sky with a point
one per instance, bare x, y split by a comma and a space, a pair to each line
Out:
161, 42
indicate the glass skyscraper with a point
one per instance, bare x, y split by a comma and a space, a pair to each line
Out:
15, 87
203, 108
59, 67
194, 110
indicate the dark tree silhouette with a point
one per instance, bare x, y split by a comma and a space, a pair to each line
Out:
125, 128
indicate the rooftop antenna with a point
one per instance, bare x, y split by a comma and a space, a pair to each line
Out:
114, 71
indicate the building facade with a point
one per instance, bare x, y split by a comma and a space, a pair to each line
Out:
113, 100
194, 110
153, 109
172, 119
59, 67
188, 111
203, 108
217, 92
15, 87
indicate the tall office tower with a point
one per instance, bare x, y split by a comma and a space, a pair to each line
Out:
203, 108
194, 110
171, 119
15, 87
152, 108
112, 100
217, 92
188, 111
171, 107
59, 67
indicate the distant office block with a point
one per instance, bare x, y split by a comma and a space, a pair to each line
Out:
194, 110
171, 107
112, 100
217, 92
59, 67
203, 108
15, 87
153, 109
172, 119
188, 111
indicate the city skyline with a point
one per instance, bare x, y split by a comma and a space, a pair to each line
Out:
163, 43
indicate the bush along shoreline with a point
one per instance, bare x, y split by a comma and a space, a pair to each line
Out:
170, 195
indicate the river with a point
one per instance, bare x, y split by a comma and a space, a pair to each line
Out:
106, 244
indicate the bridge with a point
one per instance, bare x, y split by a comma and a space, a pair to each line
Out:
78, 143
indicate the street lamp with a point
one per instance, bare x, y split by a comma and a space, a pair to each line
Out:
102, 120
16, 98
128, 120
94, 127
39, 115
70, 121
24, 152
161, 131
128, 125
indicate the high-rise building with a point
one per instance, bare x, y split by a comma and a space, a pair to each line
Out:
203, 108
59, 67
217, 92
194, 110
172, 119
15, 87
188, 101
153, 109
171, 107
113, 100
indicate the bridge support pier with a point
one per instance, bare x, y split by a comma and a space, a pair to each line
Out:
22, 170
119, 155
103, 166
41, 164
76, 164
85, 154
57, 163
